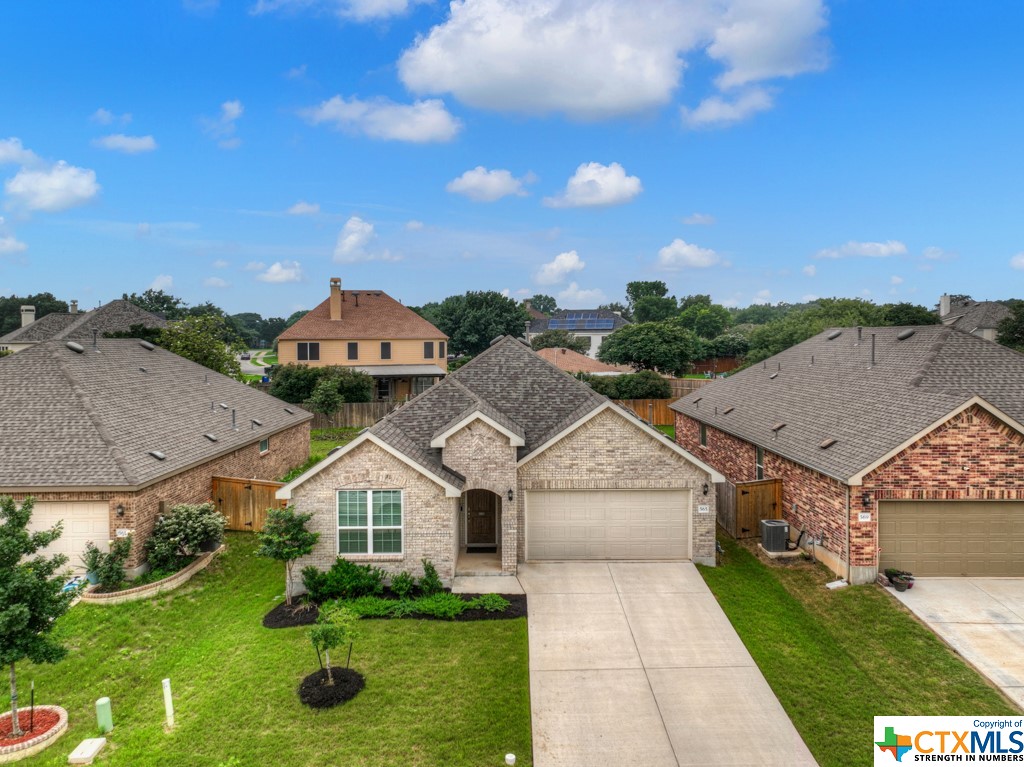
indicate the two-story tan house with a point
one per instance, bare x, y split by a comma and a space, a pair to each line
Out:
370, 331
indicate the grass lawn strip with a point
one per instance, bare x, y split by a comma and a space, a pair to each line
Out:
436, 692
836, 659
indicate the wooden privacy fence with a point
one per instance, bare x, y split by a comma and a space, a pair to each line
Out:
683, 386
355, 415
742, 506
244, 502
646, 409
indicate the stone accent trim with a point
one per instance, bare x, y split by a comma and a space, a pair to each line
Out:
152, 589
27, 748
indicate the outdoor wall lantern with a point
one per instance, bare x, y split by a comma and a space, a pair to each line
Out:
705, 488
511, 495
866, 499
120, 509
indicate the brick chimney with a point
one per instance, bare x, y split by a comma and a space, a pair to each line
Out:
28, 315
74, 307
335, 298
944, 305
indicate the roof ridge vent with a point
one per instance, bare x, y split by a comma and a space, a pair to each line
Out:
778, 426
834, 335
773, 376
903, 335
76, 348
157, 454
147, 345
210, 437
728, 410
827, 443
289, 411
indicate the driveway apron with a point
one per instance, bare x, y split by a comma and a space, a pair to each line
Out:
636, 664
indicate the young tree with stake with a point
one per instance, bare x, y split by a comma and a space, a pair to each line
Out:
334, 627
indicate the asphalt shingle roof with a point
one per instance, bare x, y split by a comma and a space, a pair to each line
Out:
90, 419
117, 316
977, 314
573, 362
509, 383
868, 409
371, 314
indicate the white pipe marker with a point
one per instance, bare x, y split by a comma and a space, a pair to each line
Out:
168, 703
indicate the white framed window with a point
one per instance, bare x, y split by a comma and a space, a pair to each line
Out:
265, 445
370, 521
759, 463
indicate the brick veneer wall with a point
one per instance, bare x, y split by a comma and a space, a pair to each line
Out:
483, 455
428, 517
611, 452
288, 448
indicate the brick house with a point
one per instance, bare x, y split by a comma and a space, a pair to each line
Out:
369, 331
106, 437
896, 447
113, 317
511, 458
592, 324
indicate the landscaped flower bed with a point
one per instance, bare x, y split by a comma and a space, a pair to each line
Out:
50, 722
201, 562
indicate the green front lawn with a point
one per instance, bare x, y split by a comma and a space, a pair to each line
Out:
838, 658
437, 693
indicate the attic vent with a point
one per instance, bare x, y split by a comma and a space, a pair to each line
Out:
495, 340
223, 406
157, 454
255, 422
834, 335
289, 411
825, 445
779, 425
728, 410
142, 370
773, 376
147, 345
76, 348
697, 401
210, 437
905, 334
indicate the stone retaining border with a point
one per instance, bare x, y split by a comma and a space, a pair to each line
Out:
151, 589
35, 745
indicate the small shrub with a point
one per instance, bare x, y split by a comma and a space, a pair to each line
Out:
108, 567
403, 608
372, 607
441, 604
285, 538
402, 584
178, 537
315, 581
430, 583
492, 603
345, 580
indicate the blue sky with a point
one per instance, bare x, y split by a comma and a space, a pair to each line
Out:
756, 150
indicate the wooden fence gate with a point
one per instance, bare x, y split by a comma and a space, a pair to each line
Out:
244, 502
742, 506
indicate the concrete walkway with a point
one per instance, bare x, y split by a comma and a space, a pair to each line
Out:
982, 619
636, 664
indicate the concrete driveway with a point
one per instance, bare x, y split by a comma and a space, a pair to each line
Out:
982, 619
636, 664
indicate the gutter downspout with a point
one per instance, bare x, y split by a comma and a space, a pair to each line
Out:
849, 547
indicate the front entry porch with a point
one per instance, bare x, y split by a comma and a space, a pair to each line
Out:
480, 534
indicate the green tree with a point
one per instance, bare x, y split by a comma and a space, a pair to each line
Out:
662, 346
294, 383
654, 308
199, 339
699, 299
621, 308
471, 321
643, 385
906, 313
1011, 329
727, 345
293, 318
641, 288
544, 303
325, 399
158, 302
31, 594
10, 309
554, 339
799, 325
334, 627
706, 320
761, 314
285, 538
137, 331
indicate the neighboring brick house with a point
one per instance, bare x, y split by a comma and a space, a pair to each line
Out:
896, 447
979, 318
106, 437
81, 327
369, 331
592, 324
573, 362
510, 456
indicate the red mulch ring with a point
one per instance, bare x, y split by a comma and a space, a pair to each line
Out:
45, 719
316, 693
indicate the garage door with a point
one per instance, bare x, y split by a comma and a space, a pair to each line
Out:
83, 521
608, 524
975, 538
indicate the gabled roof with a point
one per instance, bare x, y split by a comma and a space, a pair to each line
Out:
869, 410
90, 419
365, 314
113, 317
976, 315
573, 362
539, 326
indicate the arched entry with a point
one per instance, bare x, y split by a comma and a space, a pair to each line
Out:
482, 520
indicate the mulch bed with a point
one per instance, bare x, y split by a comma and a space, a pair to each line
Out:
44, 720
296, 614
316, 693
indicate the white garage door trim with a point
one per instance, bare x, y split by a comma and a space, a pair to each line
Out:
645, 524
83, 521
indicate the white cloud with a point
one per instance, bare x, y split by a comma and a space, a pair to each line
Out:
763, 296
482, 185
8, 245
296, 73
699, 219
13, 153
808, 297
810, 270
895, 280
352, 10
599, 60
224, 126
866, 249
58, 188
934, 253
353, 243
118, 142
1017, 262
254, 266
680, 254
413, 225
143, 229
595, 184
420, 122
716, 111
105, 117
282, 271
303, 208
162, 282
573, 296
220, 263
215, 282
559, 268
